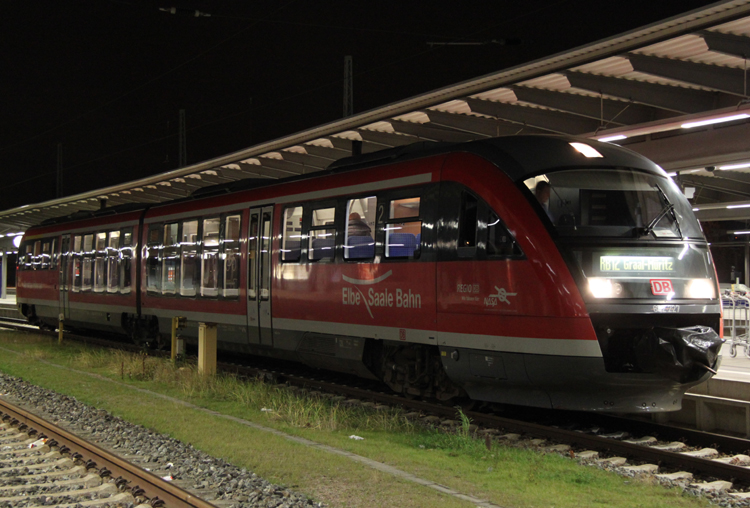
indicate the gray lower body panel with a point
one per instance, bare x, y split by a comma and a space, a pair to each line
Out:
560, 382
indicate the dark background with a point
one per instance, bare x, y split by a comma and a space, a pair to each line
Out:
107, 78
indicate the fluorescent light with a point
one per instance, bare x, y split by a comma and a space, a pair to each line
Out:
712, 121
738, 206
741, 233
587, 150
617, 137
696, 209
672, 174
736, 166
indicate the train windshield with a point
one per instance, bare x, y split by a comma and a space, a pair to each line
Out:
614, 203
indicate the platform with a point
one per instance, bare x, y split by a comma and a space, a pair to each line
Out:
8, 307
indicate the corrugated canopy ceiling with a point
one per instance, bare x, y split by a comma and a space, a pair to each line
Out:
644, 85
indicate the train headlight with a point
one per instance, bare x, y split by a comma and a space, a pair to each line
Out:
700, 289
601, 288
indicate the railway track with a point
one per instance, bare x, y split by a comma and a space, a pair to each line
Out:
641, 445
43, 464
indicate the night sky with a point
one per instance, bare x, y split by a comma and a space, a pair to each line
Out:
107, 78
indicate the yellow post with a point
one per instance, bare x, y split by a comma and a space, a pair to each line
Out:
60, 324
207, 348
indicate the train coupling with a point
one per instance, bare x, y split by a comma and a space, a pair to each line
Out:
681, 354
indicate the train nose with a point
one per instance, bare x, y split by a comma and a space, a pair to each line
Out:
680, 354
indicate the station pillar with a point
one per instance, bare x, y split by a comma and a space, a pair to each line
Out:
207, 348
3, 275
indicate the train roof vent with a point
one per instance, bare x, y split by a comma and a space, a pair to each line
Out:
229, 187
388, 154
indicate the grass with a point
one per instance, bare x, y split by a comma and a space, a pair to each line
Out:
508, 476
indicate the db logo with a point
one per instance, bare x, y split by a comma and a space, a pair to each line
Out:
661, 286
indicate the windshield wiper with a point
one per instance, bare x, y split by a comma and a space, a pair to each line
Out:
668, 209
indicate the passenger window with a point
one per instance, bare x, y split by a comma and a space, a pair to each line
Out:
28, 262
170, 259
100, 263
54, 255
292, 234
403, 229
153, 265
210, 259
190, 267
37, 258
45, 254
322, 238
252, 249
113, 256
88, 262
232, 256
359, 242
76, 270
124, 263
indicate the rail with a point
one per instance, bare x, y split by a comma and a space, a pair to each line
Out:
152, 486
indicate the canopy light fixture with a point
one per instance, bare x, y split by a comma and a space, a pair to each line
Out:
587, 150
741, 233
736, 166
712, 121
609, 139
738, 206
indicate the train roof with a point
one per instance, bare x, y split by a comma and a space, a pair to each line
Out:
519, 157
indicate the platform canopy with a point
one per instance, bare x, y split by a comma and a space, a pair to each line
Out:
645, 85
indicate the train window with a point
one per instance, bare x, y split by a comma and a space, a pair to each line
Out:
28, 257
37, 257
170, 259
322, 237
100, 262
210, 258
403, 229
467, 226
153, 266
54, 255
124, 261
292, 234
500, 243
113, 256
252, 249
232, 256
88, 261
358, 240
76, 270
265, 257
64, 258
190, 268
45, 256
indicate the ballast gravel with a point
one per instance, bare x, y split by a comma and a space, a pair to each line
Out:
210, 478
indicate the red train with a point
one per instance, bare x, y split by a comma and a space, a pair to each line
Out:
536, 270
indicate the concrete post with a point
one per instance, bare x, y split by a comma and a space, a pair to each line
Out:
207, 348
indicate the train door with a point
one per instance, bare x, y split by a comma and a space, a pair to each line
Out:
259, 325
64, 276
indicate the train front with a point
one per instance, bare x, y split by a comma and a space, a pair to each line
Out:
644, 270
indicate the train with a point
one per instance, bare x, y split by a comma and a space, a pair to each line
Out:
534, 270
